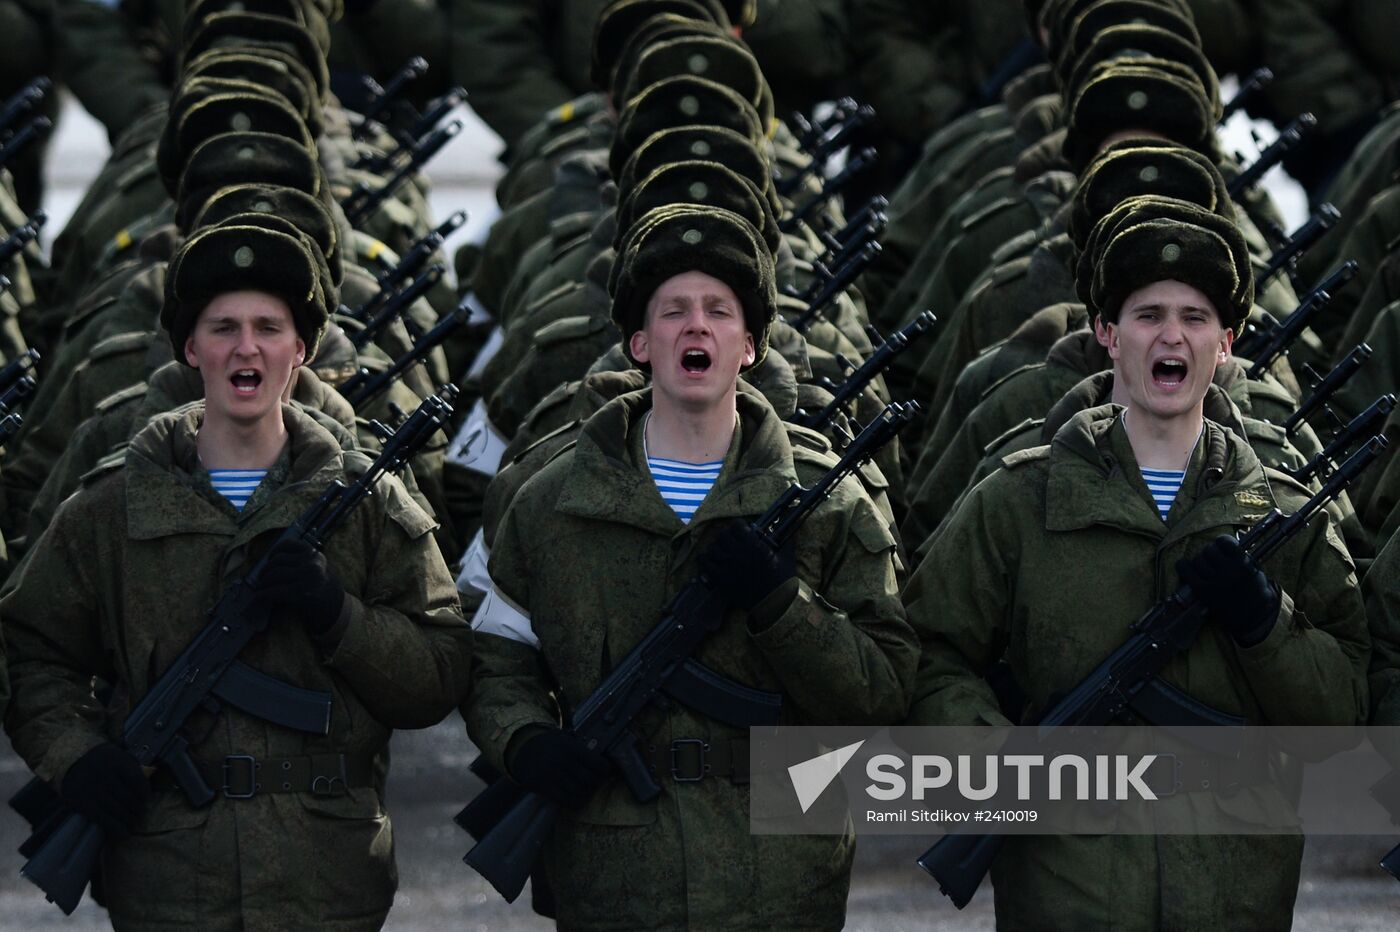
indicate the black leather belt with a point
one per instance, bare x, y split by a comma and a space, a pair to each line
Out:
690, 760
1170, 774
242, 776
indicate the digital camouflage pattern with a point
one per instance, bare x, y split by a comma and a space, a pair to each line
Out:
1029, 393
521, 60
94, 597
120, 415
1071, 525
589, 549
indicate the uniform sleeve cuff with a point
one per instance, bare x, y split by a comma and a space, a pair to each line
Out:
1272, 640
328, 641
774, 605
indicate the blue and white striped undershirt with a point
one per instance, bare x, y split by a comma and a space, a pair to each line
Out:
683, 486
236, 485
1163, 484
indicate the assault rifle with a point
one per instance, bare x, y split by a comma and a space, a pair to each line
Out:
876, 363
1327, 386
1128, 680
511, 824
833, 286
33, 131
824, 147
16, 384
22, 236
382, 98
365, 385
837, 256
207, 673
1364, 424
831, 187
1273, 155
1256, 82
874, 208
365, 199
414, 259
425, 123
21, 102
397, 304
1265, 347
808, 132
1301, 240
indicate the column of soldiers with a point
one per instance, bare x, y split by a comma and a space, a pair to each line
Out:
688, 318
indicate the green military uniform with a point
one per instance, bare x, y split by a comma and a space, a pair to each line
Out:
1275, 448
95, 597
1381, 587
950, 162
1029, 393
27, 51
1331, 63
590, 553
521, 60
1071, 525
922, 64
120, 415
1028, 344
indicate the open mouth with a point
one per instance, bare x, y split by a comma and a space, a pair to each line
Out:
695, 360
1169, 372
246, 381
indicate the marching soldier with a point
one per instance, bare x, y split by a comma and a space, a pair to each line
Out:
1123, 504
594, 544
121, 580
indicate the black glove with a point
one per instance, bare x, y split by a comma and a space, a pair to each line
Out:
560, 766
743, 567
1237, 594
108, 786
298, 578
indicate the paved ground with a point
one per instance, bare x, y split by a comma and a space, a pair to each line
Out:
1342, 889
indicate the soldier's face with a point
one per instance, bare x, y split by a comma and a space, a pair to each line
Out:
695, 340
1166, 344
245, 347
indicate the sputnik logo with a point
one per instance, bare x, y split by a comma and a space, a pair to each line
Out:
811, 777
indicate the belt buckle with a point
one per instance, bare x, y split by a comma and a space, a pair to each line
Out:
252, 773
676, 747
323, 786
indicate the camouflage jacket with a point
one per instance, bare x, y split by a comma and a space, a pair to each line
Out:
1044, 565
589, 553
119, 584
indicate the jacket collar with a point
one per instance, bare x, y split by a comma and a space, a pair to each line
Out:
1097, 390
1091, 458
608, 479
164, 481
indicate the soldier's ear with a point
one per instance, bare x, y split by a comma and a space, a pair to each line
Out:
750, 353
191, 357
1107, 334
300, 354
1227, 341
638, 345
1101, 331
